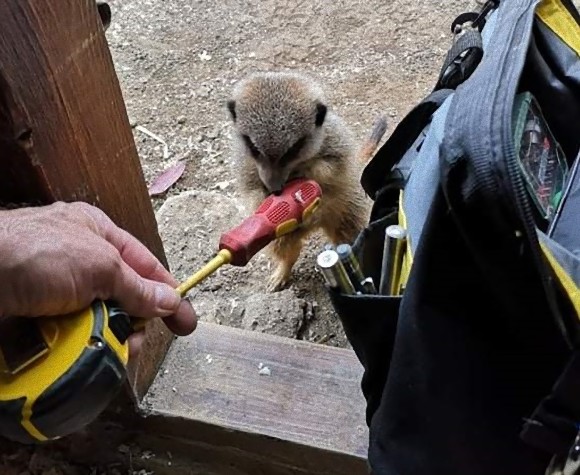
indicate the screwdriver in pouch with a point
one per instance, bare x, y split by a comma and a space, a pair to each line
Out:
362, 284
393, 254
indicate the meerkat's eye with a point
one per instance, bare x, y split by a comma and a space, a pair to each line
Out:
293, 151
253, 149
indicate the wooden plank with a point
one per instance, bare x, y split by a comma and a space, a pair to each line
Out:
307, 415
64, 130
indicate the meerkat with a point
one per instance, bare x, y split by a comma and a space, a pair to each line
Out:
284, 129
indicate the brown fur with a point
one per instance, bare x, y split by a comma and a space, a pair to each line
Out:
274, 110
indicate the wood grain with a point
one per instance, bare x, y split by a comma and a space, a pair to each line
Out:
308, 413
64, 130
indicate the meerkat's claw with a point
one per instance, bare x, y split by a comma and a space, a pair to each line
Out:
279, 279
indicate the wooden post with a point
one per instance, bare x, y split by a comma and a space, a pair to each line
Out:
64, 130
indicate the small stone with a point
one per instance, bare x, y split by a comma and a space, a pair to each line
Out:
205, 56
204, 91
124, 449
265, 371
222, 185
237, 312
181, 120
147, 455
213, 133
39, 461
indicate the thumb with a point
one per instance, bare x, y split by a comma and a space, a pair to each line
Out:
142, 297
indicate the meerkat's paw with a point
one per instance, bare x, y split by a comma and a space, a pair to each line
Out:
279, 279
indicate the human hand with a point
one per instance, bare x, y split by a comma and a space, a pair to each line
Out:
57, 259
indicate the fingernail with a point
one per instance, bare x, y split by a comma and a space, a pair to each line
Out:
166, 299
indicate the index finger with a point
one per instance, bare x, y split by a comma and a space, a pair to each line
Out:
136, 255
132, 251
139, 257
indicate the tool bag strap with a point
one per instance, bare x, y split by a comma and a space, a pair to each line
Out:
460, 63
374, 175
462, 60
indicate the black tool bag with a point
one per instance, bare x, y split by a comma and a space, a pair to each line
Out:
474, 367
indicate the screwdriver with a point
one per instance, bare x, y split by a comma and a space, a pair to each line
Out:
276, 216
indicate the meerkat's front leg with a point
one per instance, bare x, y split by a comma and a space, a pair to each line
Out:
344, 227
285, 251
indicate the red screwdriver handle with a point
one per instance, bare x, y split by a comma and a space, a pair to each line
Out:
276, 216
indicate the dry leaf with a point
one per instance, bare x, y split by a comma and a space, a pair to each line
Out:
166, 179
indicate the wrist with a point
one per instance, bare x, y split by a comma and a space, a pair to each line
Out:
5, 219
12, 231
8, 235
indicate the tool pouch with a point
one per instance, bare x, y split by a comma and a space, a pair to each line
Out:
474, 368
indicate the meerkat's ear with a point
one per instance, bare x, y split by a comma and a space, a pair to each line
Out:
232, 108
320, 114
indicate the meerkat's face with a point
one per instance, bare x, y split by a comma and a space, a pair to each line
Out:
278, 119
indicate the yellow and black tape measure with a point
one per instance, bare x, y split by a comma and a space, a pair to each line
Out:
58, 374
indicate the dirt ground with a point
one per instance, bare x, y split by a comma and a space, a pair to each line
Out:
177, 61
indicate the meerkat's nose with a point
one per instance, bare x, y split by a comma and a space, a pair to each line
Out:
276, 184
277, 190
273, 178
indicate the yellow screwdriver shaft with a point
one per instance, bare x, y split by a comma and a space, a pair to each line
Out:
223, 257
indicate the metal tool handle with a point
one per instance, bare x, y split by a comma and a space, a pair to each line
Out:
393, 253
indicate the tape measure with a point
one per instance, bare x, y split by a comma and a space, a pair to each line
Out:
58, 374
